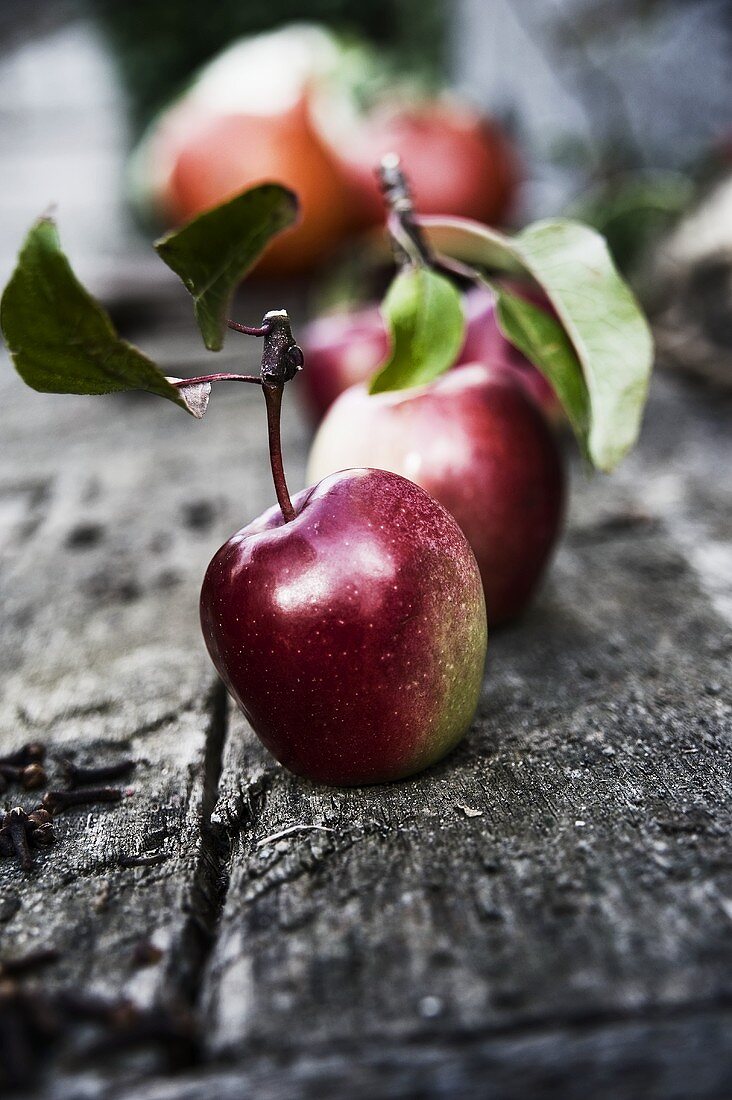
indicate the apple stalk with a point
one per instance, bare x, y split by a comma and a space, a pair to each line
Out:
282, 358
409, 243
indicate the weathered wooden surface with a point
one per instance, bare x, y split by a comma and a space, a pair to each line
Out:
546, 913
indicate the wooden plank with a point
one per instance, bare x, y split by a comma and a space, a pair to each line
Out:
675, 1059
549, 906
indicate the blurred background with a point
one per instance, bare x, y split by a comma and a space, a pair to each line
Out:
129, 117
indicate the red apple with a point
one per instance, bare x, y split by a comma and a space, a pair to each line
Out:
353, 637
222, 155
345, 348
478, 445
341, 350
485, 343
248, 118
456, 161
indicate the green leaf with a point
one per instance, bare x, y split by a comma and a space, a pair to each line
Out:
425, 318
605, 324
473, 242
214, 251
543, 340
606, 327
60, 338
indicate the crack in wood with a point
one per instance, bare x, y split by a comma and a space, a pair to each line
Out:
207, 894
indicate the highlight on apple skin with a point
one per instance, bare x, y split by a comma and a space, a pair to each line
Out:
352, 637
478, 445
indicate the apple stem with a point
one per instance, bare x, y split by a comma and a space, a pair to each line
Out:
273, 400
281, 360
408, 240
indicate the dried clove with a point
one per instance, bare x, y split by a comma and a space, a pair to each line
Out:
16, 1064
77, 776
36, 826
30, 776
39, 817
146, 953
28, 1024
42, 837
16, 823
58, 801
32, 753
95, 1009
30, 1021
24, 964
33, 777
173, 1029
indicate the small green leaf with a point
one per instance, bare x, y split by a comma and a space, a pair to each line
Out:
607, 329
60, 338
213, 252
543, 340
425, 318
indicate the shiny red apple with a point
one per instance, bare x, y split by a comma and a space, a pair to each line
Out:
353, 637
476, 442
345, 348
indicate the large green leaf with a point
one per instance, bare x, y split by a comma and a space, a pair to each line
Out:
60, 338
603, 321
472, 242
607, 330
213, 252
425, 319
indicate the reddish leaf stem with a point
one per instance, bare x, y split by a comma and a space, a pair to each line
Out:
249, 330
202, 378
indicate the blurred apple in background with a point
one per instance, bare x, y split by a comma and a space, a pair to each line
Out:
246, 119
456, 161
224, 154
485, 343
301, 107
342, 349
